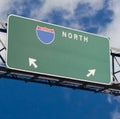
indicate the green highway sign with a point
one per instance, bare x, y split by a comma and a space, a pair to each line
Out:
52, 50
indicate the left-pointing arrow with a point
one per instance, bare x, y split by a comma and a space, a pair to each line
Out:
32, 62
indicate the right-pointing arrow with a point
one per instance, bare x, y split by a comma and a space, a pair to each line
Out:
91, 72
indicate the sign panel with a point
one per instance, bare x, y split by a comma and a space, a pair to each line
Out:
43, 48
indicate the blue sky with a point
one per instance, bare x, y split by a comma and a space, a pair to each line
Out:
20, 100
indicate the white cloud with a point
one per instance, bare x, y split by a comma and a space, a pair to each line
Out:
109, 99
116, 114
113, 29
3, 8
67, 5
112, 98
6, 6
41, 11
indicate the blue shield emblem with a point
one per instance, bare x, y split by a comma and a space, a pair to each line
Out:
45, 35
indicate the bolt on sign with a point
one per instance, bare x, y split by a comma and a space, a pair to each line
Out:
52, 50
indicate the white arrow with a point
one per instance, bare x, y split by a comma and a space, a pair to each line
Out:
91, 72
32, 62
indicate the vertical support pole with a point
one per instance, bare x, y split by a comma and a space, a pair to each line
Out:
113, 66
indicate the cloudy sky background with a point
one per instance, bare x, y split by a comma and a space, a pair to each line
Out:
102, 17
95, 16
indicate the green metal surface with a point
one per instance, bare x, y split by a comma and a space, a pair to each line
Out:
73, 54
